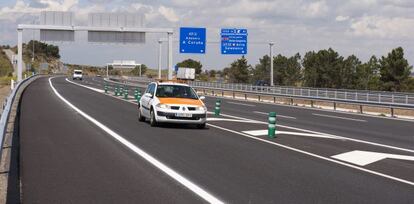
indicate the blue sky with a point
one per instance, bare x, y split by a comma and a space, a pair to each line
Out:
360, 27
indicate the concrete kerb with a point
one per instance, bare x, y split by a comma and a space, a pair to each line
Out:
7, 163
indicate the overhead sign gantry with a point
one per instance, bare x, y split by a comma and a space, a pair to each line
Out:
102, 28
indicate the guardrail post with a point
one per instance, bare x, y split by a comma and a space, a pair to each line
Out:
360, 109
217, 108
234, 95
271, 132
222, 93
274, 99
258, 97
245, 96
291, 101
334, 104
392, 112
312, 103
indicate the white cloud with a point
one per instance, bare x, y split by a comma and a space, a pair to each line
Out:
168, 13
384, 27
341, 18
315, 9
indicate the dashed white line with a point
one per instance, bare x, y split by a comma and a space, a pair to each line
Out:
277, 115
338, 117
242, 104
164, 168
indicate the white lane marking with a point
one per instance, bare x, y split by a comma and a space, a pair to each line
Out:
167, 170
363, 158
338, 117
242, 104
299, 129
278, 132
316, 132
231, 120
91, 88
316, 156
277, 115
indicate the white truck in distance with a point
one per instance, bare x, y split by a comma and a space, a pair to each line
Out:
77, 74
186, 73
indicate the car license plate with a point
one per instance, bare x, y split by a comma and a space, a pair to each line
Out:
184, 115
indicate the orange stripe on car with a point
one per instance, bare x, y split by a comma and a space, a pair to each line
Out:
184, 101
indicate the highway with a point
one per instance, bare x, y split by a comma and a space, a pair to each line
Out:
79, 145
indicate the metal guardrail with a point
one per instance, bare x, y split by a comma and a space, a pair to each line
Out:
6, 112
352, 96
381, 98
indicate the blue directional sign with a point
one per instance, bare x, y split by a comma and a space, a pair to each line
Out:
193, 40
233, 41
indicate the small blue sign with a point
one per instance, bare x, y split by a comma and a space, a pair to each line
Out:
193, 40
233, 41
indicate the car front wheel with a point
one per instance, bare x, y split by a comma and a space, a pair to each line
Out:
153, 121
141, 118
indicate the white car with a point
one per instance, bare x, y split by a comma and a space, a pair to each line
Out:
171, 102
77, 74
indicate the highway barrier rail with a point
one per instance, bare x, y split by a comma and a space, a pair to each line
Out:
6, 111
392, 100
395, 99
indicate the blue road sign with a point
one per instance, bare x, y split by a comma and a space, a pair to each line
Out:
233, 41
193, 40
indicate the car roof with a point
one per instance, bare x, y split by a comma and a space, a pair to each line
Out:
171, 83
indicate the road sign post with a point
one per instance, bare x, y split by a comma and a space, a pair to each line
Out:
193, 40
233, 41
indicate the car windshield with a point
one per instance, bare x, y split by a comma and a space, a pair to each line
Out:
78, 72
175, 91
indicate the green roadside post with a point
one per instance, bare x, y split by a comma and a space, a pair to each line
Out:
272, 125
139, 96
126, 94
106, 88
136, 93
217, 108
116, 91
121, 91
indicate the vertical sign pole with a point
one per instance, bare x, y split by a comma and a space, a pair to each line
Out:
159, 58
19, 54
170, 56
107, 72
140, 72
271, 64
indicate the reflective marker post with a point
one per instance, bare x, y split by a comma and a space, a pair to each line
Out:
121, 90
126, 93
116, 91
136, 94
272, 125
139, 96
217, 108
106, 88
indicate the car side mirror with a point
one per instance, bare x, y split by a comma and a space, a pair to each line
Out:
202, 97
149, 95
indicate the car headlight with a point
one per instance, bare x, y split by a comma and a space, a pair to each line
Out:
201, 108
164, 106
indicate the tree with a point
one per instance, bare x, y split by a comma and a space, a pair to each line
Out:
262, 70
135, 71
323, 69
239, 71
368, 75
348, 73
394, 70
190, 63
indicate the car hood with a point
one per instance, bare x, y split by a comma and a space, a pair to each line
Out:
181, 101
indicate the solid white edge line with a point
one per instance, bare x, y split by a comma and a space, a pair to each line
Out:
91, 88
300, 129
242, 104
277, 115
164, 168
338, 117
317, 156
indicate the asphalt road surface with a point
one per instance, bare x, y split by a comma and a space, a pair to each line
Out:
87, 152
